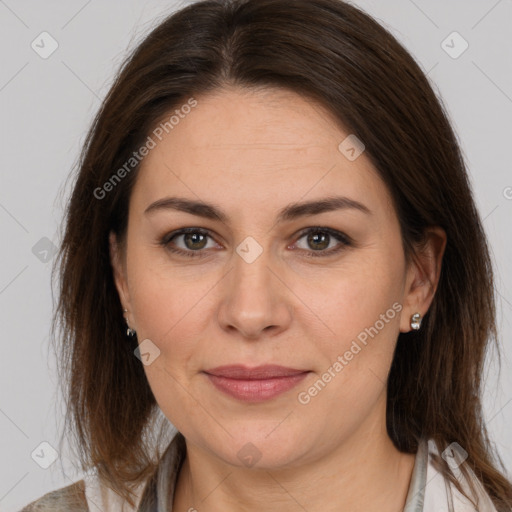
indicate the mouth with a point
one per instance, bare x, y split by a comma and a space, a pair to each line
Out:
256, 384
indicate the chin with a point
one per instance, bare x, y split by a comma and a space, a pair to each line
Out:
262, 446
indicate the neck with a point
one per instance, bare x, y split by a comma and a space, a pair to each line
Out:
364, 472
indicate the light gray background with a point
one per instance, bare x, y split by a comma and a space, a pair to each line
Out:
47, 106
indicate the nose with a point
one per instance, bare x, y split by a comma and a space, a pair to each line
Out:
255, 300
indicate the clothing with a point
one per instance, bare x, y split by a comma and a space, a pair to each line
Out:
428, 489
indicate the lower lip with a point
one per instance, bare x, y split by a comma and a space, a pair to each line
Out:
255, 390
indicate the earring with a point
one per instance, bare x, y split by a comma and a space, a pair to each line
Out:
129, 332
416, 321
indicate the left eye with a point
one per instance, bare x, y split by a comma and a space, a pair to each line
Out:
320, 239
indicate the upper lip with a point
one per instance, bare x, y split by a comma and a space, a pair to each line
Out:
267, 371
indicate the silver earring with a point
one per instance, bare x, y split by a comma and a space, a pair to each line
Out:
416, 321
129, 331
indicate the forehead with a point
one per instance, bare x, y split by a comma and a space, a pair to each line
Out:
247, 147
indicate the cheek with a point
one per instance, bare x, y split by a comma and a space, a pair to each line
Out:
362, 312
168, 313
359, 310
352, 297
169, 306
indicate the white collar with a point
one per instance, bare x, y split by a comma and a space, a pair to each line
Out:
430, 491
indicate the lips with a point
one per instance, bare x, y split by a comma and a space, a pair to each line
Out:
255, 384
268, 371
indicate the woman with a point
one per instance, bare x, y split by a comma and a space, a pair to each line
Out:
273, 198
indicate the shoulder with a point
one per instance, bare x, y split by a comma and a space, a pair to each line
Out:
66, 499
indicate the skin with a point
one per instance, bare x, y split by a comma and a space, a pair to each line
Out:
252, 153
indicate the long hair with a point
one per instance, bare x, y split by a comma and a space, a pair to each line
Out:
333, 53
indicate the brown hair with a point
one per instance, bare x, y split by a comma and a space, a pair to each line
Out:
333, 53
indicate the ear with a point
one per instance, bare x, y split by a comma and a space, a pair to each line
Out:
119, 269
423, 276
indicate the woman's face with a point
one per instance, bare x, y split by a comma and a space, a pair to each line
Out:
255, 288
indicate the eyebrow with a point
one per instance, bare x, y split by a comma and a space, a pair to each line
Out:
290, 212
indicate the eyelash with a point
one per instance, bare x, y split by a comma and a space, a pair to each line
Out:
344, 239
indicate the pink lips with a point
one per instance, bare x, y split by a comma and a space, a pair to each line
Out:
254, 384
